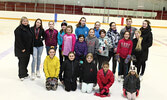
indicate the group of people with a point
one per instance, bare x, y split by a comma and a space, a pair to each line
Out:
82, 52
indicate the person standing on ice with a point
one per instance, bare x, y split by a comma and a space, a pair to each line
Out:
39, 36
147, 43
51, 37
23, 46
82, 28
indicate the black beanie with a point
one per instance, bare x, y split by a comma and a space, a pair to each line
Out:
64, 23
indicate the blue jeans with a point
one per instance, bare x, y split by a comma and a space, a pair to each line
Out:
37, 52
47, 49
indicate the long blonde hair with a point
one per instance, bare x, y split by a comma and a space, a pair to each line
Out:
138, 46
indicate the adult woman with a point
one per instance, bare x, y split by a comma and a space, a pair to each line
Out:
23, 46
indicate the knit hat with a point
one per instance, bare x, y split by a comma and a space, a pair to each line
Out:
132, 68
64, 23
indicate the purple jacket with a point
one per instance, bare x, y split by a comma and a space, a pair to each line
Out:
51, 37
81, 49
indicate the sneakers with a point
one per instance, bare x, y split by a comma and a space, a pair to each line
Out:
33, 76
21, 79
38, 74
119, 78
141, 77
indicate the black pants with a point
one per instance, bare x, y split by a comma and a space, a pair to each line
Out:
123, 67
65, 57
140, 64
70, 86
23, 63
101, 59
60, 57
114, 62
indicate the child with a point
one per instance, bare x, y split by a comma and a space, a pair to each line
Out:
88, 74
97, 29
105, 79
81, 48
92, 44
123, 56
131, 84
70, 70
51, 37
82, 28
60, 39
104, 46
68, 42
51, 69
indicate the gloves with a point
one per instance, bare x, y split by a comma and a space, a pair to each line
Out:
137, 93
102, 91
124, 92
127, 59
117, 57
81, 62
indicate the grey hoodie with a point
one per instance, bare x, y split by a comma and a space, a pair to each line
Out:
131, 30
92, 44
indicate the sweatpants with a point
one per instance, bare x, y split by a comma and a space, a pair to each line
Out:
51, 85
60, 57
87, 87
114, 62
70, 86
123, 67
23, 64
101, 59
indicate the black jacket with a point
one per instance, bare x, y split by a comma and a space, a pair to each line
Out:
147, 41
38, 42
23, 40
131, 83
88, 73
70, 71
137, 53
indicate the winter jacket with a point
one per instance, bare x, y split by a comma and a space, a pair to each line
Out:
82, 30
23, 40
68, 43
114, 36
51, 37
103, 47
40, 36
97, 33
131, 83
92, 44
88, 72
70, 70
81, 49
105, 81
147, 41
51, 67
60, 39
135, 52
124, 48
130, 29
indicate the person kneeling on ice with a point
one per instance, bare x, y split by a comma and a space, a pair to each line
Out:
69, 72
51, 70
131, 84
105, 79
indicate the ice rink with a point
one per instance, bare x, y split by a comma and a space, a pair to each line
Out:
153, 86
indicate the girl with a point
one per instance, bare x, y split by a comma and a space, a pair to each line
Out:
115, 37
88, 74
39, 36
92, 44
81, 28
104, 46
51, 69
105, 79
23, 46
147, 43
137, 50
81, 48
51, 37
131, 84
97, 28
60, 39
124, 51
70, 70
68, 41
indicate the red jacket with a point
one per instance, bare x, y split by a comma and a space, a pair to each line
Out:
105, 81
124, 47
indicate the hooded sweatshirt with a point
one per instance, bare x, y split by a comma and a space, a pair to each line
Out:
82, 30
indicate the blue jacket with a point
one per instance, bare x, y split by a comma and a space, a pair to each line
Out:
60, 39
97, 33
82, 30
